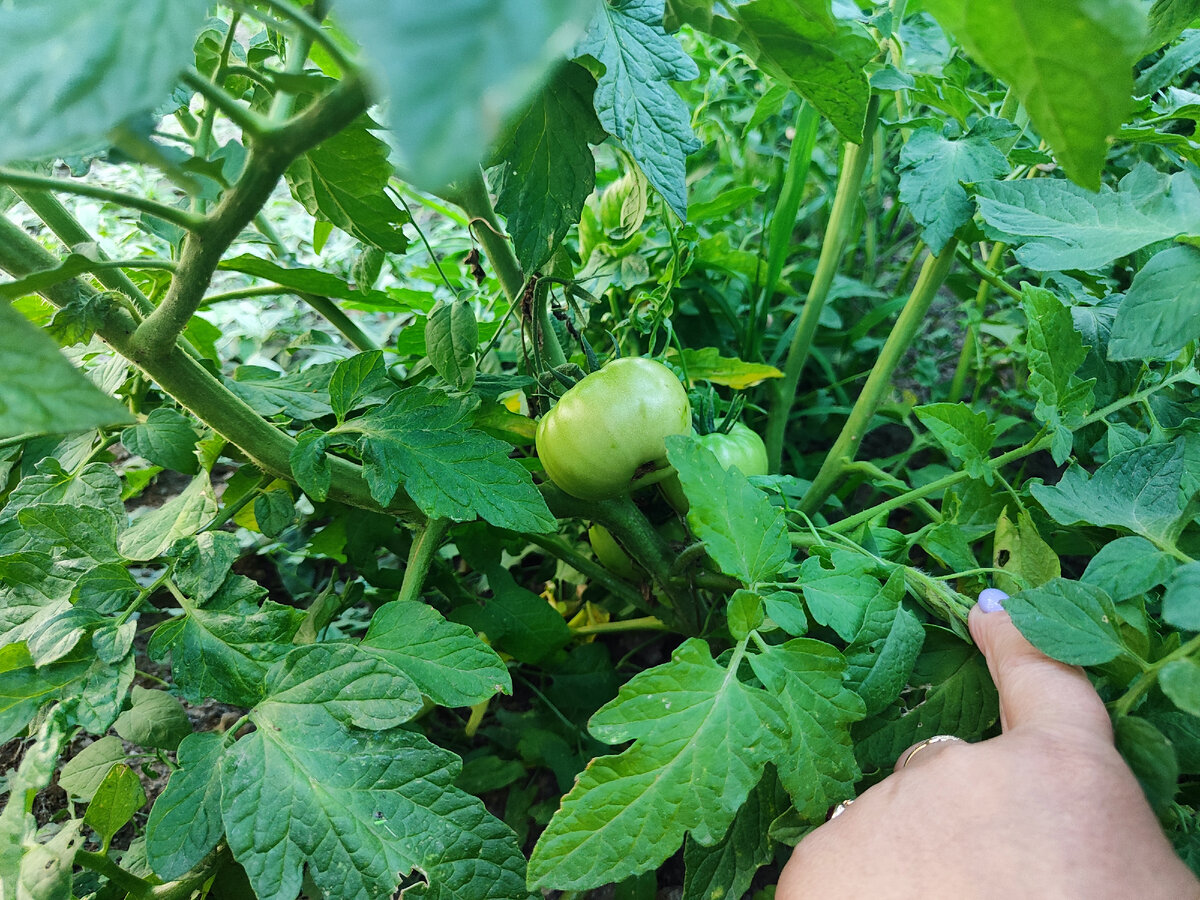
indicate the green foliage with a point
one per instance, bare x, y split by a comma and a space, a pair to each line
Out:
274, 376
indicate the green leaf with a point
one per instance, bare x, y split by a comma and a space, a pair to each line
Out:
46, 868
701, 741
707, 364
419, 440
933, 169
1137, 490
743, 533
1055, 352
1161, 310
882, 655
965, 434
354, 379
156, 720
359, 809
787, 611
342, 181
1070, 64
447, 661
1065, 226
117, 798
302, 395
1070, 621
546, 166
82, 774
953, 694
726, 869
17, 824
450, 114
451, 339
70, 70
203, 561
1022, 554
1180, 681
1152, 758
42, 393
839, 596
313, 281
805, 46
310, 465
78, 538
634, 98
224, 648
166, 438
744, 613
96, 484
182, 516
1181, 604
185, 821
1168, 18
1128, 567
817, 766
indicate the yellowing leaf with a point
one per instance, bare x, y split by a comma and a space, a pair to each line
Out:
709, 365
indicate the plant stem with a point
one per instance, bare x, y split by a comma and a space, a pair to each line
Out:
339, 320
1124, 704
645, 623
101, 864
426, 542
68, 230
181, 217
244, 118
472, 195
959, 382
308, 25
933, 274
988, 275
841, 219
587, 567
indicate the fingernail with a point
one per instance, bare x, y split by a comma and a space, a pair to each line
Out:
992, 600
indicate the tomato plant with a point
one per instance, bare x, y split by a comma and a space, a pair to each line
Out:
739, 447
610, 425
286, 556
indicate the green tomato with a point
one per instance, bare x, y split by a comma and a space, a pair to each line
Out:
740, 448
609, 425
611, 555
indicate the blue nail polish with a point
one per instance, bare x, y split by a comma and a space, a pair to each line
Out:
992, 600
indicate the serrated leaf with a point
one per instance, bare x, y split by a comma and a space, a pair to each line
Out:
1070, 621
1127, 567
156, 720
726, 869
744, 534
82, 774
707, 364
546, 165
450, 115
342, 181
420, 440
1180, 681
1137, 490
447, 661
933, 169
1168, 18
634, 98
965, 434
360, 809
1161, 310
166, 438
1055, 352
1022, 555
117, 798
73, 69
817, 54
1181, 604
182, 516
78, 538
42, 393
451, 339
17, 825
881, 657
840, 596
96, 484
1070, 63
203, 561
1063, 226
354, 379
817, 766
954, 695
310, 465
701, 741
302, 395
185, 821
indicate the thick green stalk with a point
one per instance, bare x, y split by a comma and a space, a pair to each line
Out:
180, 217
841, 220
879, 382
68, 230
472, 195
339, 320
426, 542
126, 881
192, 385
959, 382
587, 567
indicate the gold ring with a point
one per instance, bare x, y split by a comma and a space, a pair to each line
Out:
936, 739
839, 809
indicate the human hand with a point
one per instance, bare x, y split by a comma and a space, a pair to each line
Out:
1046, 810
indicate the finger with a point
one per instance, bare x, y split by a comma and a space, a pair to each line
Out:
924, 752
1035, 691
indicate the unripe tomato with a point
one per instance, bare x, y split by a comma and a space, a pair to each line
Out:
741, 447
609, 425
611, 555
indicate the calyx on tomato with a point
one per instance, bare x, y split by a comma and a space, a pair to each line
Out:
741, 448
610, 425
